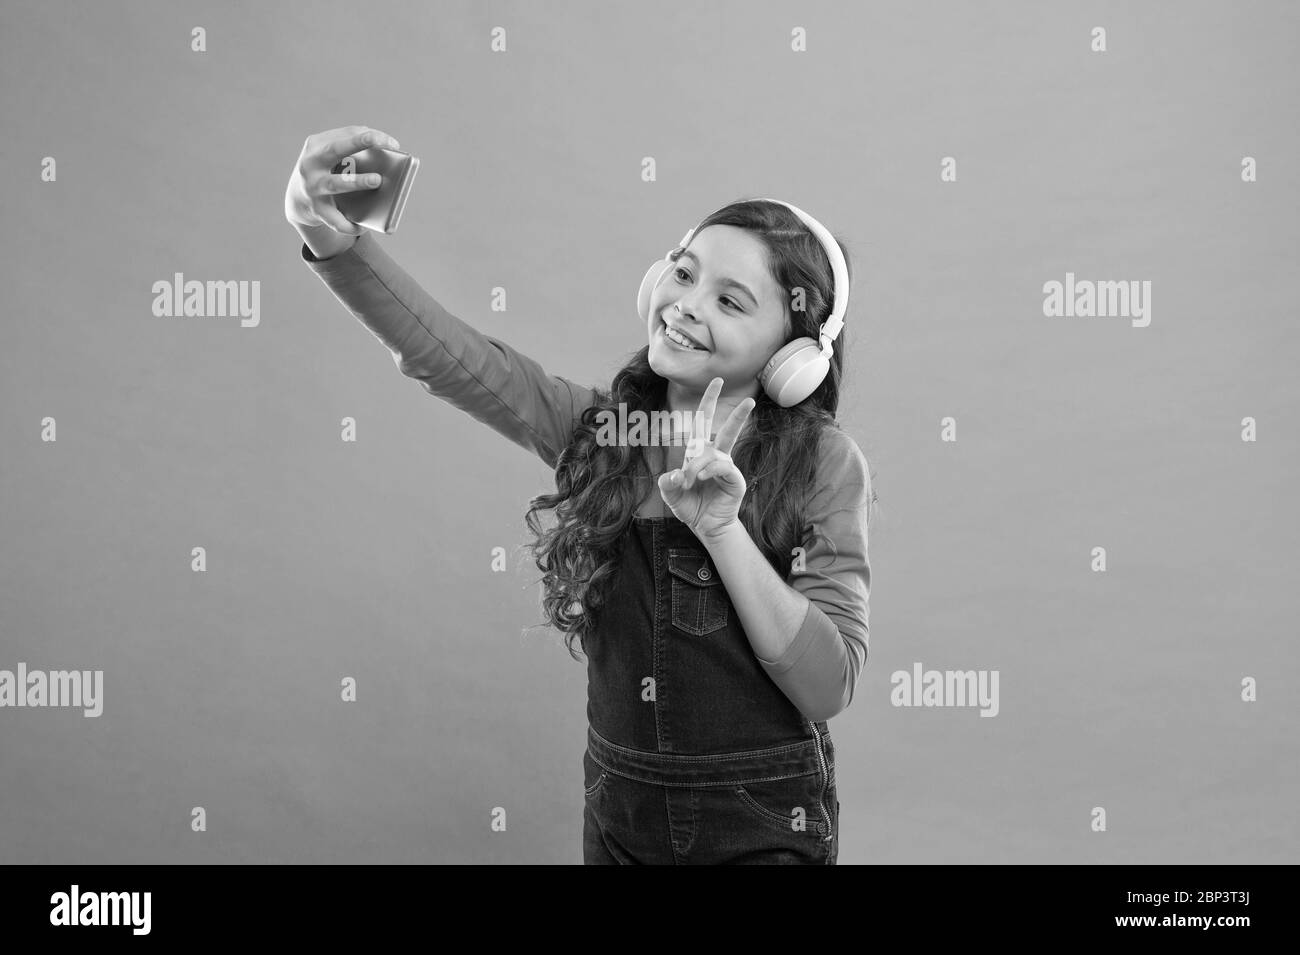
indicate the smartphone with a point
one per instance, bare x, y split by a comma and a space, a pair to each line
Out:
378, 209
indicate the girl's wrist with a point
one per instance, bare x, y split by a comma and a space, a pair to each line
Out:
324, 242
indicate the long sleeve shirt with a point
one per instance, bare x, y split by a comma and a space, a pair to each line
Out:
511, 393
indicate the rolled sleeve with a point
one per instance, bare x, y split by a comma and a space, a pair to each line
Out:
820, 668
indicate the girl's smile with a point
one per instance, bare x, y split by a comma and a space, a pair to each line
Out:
664, 331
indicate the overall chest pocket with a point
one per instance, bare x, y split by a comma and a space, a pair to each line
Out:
699, 601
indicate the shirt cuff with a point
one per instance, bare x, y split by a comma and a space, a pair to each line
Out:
332, 264
802, 640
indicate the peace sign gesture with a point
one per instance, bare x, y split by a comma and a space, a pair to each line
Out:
705, 493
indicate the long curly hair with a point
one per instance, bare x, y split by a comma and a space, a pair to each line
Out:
596, 493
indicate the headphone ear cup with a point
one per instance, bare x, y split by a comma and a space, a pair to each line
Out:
647, 286
794, 372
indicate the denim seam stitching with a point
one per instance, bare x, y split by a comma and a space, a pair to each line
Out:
698, 785
711, 757
774, 817
672, 833
656, 634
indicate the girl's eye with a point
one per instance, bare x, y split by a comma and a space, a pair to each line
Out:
726, 299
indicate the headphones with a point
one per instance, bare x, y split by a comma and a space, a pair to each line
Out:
796, 371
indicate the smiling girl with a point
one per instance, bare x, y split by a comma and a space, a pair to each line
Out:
718, 588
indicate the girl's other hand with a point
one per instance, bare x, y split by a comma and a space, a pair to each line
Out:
309, 197
705, 495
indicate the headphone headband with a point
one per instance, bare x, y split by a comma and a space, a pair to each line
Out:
839, 268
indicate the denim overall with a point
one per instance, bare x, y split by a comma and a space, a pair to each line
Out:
694, 756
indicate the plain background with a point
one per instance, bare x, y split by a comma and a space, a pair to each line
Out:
373, 560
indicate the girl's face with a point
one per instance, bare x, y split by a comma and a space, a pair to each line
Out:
730, 305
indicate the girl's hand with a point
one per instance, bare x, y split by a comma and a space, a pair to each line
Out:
705, 494
309, 197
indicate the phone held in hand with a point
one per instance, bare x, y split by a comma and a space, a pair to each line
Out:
377, 209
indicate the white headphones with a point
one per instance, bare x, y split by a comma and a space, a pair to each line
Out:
798, 368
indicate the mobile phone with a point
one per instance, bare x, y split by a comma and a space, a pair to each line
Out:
377, 209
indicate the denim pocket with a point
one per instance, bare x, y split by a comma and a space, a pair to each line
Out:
699, 601
593, 775
777, 802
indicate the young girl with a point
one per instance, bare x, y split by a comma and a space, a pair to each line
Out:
719, 590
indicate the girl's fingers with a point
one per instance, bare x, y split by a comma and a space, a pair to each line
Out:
336, 183
353, 139
734, 424
708, 464
692, 467
694, 448
336, 220
708, 405
720, 467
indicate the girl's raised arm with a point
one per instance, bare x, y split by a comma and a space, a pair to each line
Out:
483, 376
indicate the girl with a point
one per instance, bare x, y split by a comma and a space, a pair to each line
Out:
719, 590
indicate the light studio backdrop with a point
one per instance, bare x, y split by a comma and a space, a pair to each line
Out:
1095, 504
